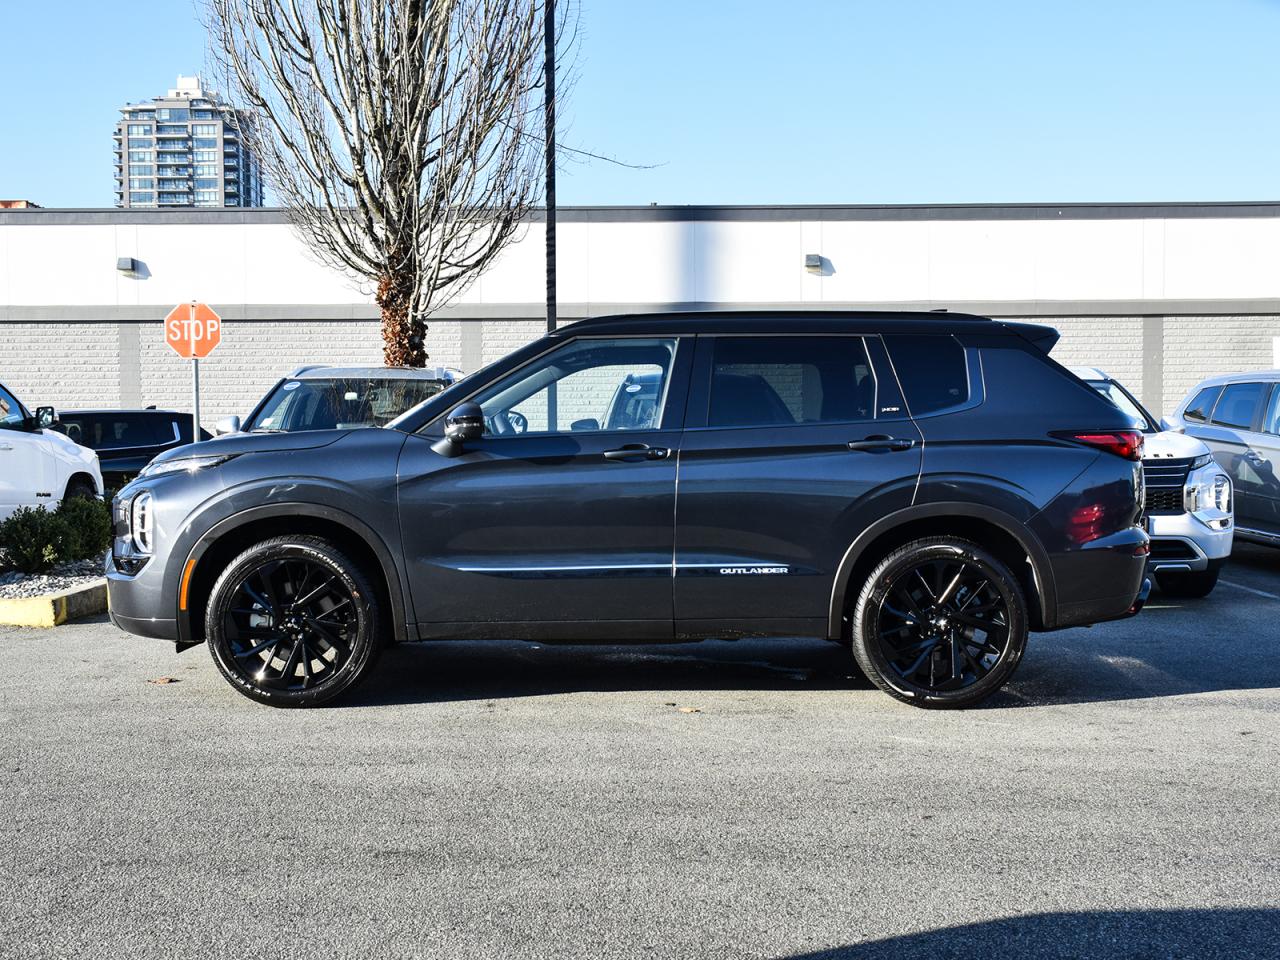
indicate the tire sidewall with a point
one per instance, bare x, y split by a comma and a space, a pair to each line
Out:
865, 640
363, 646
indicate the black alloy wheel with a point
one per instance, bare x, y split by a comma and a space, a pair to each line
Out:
292, 622
940, 623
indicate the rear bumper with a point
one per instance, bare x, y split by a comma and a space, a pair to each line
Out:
1104, 579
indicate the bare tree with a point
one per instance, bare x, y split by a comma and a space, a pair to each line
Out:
402, 135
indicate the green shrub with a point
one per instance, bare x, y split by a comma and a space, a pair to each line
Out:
89, 521
35, 539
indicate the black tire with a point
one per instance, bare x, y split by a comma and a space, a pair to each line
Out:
300, 602
932, 602
1190, 584
80, 488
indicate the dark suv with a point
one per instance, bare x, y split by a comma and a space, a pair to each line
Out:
925, 487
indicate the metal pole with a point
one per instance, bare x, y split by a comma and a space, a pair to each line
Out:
549, 53
195, 399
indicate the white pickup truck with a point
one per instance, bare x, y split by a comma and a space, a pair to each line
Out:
39, 466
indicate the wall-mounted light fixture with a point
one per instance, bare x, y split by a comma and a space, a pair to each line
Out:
126, 265
813, 262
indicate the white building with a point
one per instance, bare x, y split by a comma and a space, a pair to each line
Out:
1158, 295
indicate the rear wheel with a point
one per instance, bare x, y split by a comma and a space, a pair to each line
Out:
940, 623
293, 622
1191, 584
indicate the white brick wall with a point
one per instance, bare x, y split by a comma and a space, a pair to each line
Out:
1199, 347
61, 363
74, 365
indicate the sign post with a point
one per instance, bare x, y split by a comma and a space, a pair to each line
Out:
192, 330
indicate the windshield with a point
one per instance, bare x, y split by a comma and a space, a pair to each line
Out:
1138, 417
339, 403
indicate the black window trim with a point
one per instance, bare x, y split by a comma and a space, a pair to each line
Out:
699, 405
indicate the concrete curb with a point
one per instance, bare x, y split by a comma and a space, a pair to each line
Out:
51, 609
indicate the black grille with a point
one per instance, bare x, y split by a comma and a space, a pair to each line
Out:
1165, 480
1171, 550
1164, 501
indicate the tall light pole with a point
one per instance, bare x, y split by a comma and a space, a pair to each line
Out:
549, 43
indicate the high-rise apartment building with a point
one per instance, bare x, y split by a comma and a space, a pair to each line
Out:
185, 149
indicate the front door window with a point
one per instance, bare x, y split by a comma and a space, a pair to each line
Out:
585, 386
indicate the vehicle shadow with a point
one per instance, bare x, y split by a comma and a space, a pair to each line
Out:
1098, 935
1227, 641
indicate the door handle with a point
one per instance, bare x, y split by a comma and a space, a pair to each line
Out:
636, 452
882, 442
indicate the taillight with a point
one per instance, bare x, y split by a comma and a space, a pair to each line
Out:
1123, 443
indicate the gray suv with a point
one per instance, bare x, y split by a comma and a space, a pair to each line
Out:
1238, 416
874, 479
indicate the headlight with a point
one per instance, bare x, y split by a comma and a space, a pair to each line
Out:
1211, 495
190, 464
140, 522
1202, 461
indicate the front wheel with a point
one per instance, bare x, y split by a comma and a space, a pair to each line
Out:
293, 622
940, 623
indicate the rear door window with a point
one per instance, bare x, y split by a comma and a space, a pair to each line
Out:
782, 381
1239, 404
933, 371
1202, 405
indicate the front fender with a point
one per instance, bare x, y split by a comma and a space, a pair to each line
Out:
223, 516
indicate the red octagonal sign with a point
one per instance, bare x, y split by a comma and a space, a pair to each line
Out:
192, 330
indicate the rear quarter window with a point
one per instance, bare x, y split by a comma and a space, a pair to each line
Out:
933, 371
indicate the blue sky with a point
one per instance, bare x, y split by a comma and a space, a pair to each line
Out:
825, 101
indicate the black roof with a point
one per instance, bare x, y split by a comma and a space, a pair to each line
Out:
791, 320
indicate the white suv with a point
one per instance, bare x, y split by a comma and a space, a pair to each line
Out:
1188, 509
39, 466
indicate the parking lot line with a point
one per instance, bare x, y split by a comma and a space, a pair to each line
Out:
1259, 593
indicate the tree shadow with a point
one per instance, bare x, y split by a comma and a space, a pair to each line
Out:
1189, 934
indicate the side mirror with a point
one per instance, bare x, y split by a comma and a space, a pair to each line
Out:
464, 423
45, 417
226, 425
1167, 424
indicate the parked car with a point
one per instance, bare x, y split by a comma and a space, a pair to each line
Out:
875, 479
1238, 416
339, 398
1187, 503
39, 466
127, 440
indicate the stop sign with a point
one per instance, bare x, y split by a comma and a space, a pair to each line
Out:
192, 330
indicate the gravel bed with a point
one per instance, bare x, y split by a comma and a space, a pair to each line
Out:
15, 585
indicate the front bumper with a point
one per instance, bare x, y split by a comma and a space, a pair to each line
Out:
1182, 542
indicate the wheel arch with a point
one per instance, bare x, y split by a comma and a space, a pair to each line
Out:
233, 534
997, 531
94, 484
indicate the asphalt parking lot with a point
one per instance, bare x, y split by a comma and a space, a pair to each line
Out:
510, 800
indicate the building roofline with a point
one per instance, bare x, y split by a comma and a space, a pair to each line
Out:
701, 212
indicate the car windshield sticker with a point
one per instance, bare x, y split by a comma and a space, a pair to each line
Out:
292, 385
